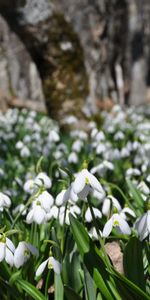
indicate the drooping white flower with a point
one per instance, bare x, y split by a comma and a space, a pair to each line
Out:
52, 264
29, 186
7, 249
54, 211
88, 215
127, 211
37, 214
119, 223
25, 152
142, 225
23, 253
86, 180
19, 208
53, 136
73, 158
110, 202
43, 179
142, 186
46, 200
5, 201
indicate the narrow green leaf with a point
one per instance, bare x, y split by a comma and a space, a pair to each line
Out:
129, 288
90, 287
133, 262
71, 294
91, 259
30, 289
136, 195
59, 289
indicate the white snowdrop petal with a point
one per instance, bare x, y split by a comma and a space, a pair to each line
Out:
124, 227
108, 228
46, 200
84, 193
9, 257
10, 245
95, 184
29, 218
39, 215
32, 249
140, 225
41, 267
148, 220
56, 265
19, 258
79, 183
106, 207
60, 198
2, 251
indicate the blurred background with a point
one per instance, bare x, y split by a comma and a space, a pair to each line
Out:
67, 57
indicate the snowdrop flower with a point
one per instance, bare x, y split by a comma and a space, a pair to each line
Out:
5, 201
23, 253
46, 200
73, 158
77, 146
119, 223
110, 202
88, 215
20, 208
84, 182
19, 145
25, 152
127, 211
53, 136
66, 195
40, 207
133, 172
101, 148
29, 186
52, 264
119, 136
43, 179
54, 212
64, 215
99, 195
144, 188
93, 233
142, 225
37, 214
7, 249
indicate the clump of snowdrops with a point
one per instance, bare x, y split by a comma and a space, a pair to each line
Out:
65, 198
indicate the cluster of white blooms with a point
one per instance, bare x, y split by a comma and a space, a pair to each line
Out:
119, 151
15, 257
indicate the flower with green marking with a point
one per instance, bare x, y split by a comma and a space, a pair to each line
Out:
119, 223
23, 253
52, 263
84, 183
7, 249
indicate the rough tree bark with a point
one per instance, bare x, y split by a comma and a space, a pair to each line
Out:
85, 49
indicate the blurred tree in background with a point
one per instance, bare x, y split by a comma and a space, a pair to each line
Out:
74, 54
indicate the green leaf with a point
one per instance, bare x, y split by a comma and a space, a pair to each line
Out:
71, 294
93, 262
14, 277
59, 289
136, 195
133, 262
30, 289
90, 288
128, 289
